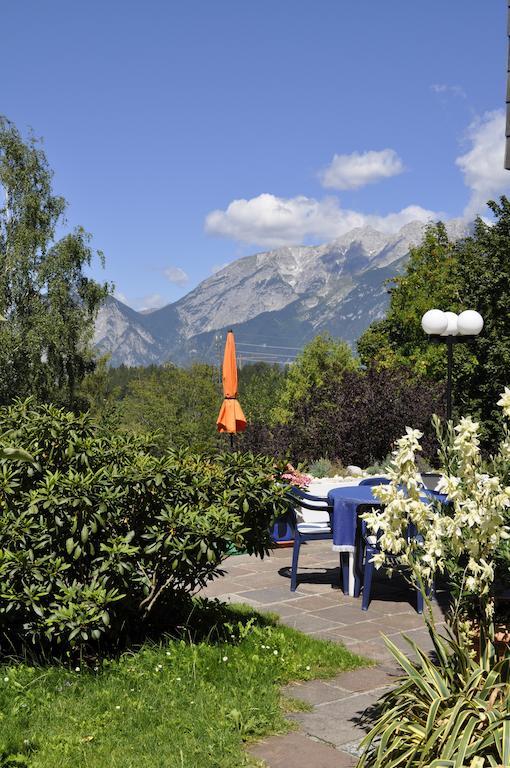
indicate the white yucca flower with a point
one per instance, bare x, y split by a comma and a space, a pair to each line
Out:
504, 402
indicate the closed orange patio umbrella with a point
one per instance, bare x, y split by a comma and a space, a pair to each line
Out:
231, 418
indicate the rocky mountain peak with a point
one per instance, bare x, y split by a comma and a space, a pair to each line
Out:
285, 295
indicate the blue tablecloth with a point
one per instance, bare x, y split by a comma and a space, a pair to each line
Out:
346, 501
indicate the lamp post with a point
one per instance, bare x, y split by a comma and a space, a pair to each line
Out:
449, 328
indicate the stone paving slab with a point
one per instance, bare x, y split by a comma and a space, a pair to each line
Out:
307, 622
315, 692
314, 603
375, 650
367, 631
340, 722
285, 610
297, 751
367, 679
268, 595
343, 686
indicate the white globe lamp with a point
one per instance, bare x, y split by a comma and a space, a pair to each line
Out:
469, 323
451, 328
434, 322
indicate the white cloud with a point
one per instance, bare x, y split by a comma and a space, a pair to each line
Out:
482, 164
121, 297
449, 90
151, 301
176, 275
271, 221
361, 168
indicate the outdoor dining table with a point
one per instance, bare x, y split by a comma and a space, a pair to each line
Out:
346, 502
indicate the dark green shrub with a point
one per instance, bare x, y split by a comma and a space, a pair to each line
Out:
354, 419
98, 533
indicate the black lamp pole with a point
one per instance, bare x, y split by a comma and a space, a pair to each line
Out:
449, 351
449, 341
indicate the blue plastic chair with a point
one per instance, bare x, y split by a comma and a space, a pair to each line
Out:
366, 551
310, 531
375, 481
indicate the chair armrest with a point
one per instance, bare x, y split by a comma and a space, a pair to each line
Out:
299, 501
302, 501
295, 491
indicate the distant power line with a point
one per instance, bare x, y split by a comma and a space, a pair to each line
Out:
263, 344
263, 352
252, 358
243, 359
253, 353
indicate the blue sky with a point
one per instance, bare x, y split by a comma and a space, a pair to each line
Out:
186, 134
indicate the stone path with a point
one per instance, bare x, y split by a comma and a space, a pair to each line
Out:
330, 733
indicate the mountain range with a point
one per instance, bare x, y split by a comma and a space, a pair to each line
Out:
274, 300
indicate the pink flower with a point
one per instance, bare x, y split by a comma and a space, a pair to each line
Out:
294, 477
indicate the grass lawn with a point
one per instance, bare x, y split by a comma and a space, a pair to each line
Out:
185, 703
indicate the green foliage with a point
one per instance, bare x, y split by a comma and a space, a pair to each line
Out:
320, 468
430, 280
184, 703
99, 393
99, 533
260, 387
47, 302
181, 404
324, 359
380, 467
472, 273
484, 274
445, 713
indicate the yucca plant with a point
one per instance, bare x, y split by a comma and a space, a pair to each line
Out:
449, 712
453, 712
15, 454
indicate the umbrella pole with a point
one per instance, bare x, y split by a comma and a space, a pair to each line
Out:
231, 441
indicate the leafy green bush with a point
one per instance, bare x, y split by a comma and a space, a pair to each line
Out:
320, 468
97, 533
180, 403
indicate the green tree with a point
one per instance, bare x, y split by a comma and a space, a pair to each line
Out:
181, 404
483, 265
323, 359
471, 273
260, 387
430, 280
47, 302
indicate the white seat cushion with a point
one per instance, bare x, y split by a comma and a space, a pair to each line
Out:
321, 487
318, 527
